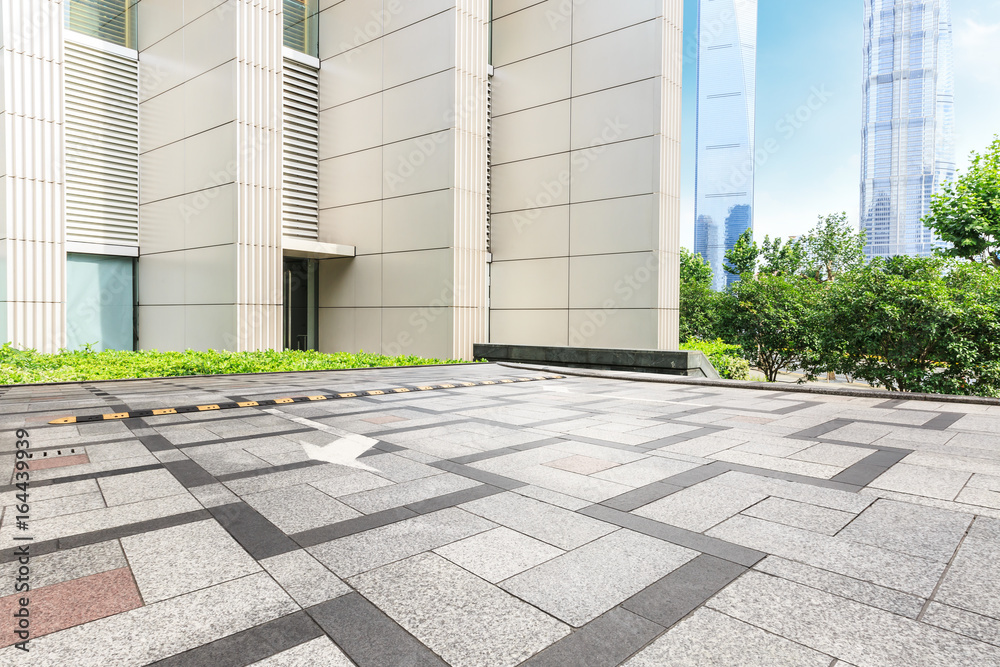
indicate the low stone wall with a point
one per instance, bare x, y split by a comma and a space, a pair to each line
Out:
683, 363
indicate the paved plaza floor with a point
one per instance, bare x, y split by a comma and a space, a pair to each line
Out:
571, 521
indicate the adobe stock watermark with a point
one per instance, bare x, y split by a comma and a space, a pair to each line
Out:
550, 191
625, 290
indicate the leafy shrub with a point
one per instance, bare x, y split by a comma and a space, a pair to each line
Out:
28, 366
727, 359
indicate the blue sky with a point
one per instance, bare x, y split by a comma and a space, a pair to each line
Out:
804, 44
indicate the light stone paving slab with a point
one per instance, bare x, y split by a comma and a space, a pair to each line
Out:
60, 566
304, 578
213, 495
181, 559
569, 483
554, 525
465, 620
90, 468
352, 482
920, 481
805, 493
504, 465
319, 651
397, 495
399, 469
552, 497
867, 593
778, 447
839, 456
54, 507
299, 508
952, 461
498, 554
226, 461
982, 628
845, 629
801, 515
582, 465
792, 466
359, 553
160, 630
711, 639
583, 584
972, 582
52, 491
646, 471
919, 531
610, 454
909, 574
700, 507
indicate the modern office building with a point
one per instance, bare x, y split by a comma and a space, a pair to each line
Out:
727, 93
909, 122
398, 176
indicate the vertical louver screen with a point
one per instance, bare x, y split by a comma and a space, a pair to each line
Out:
102, 147
300, 166
489, 164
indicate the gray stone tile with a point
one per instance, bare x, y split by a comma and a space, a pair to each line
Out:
147, 485
867, 593
982, 628
60, 566
170, 455
909, 574
805, 493
912, 529
358, 553
157, 631
711, 639
569, 483
368, 636
552, 497
174, 561
583, 584
848, 630
397, 495
971, 582
801, 515
646, 471
833, 455
920, 481
319, 651
400, 469
299, 508
353, 482
582, 465
700, 507
46, 509
304, 578
460, 617
554, 525
498, 554
792, 466
213, 495
606, 641
40, 493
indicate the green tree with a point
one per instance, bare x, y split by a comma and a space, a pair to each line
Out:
742, 259
769, 318
914, 325
782, 259
966, 213
698, 301
832, 247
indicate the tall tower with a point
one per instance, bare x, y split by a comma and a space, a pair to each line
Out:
727, 91
909, 122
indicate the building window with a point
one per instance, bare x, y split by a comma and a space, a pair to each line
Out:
112, 21
301, 26
100, 302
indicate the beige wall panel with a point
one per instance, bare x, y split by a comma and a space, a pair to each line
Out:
351, 179
351, 75
419, 165
419, 278
349, 127
210, 158
615, 281
536, 283
597, 17
160, 123
161, 173
162, 327
161, 64
616, 170
161, 280
617, 58
534, 132
158, 18
425, 332
418, 108
635, 329
209, 274
531, 184
211, 327
628, 224
202, 218
619, 114
434, 41
358, 225
543, 232
535, 30
348, 24
219, 86
350, 329
530, 327
419, 222
530, 83
503, 7
351, 283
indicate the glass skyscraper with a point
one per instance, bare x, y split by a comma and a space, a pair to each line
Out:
727, 86
909, 122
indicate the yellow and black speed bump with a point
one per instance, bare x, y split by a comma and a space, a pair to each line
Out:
83, 419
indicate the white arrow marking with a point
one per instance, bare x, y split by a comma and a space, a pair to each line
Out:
344, 451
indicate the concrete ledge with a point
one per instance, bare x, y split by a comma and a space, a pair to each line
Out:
663, 362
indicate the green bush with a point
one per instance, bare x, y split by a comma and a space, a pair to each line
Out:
28, 366
726, 358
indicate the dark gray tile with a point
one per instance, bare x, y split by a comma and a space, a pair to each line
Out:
797, 407
189, 473
368, 636
156, 443
492, 479
454, 499
943, 421
681, 437
606, 641
697, 475
261, 538
641, 497
250, 646
310, 538
118, 532
682, 591
675, 535
814, 432
869, 469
